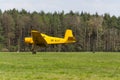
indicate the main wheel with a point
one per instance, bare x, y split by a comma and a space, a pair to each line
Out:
33, 52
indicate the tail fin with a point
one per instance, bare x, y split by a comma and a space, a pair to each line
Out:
69, 36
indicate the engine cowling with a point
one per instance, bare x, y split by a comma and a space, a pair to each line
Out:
28, 40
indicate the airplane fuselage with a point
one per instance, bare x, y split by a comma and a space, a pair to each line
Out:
48, 39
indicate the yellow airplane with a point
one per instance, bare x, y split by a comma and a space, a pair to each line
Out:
42, 40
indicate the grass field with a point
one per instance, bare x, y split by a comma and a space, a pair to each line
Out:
60, 66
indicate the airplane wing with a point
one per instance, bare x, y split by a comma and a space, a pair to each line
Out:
38, 39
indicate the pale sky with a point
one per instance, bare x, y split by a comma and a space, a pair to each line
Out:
91, 6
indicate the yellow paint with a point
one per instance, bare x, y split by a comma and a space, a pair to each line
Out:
40, 38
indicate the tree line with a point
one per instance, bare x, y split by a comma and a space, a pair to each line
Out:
93, 32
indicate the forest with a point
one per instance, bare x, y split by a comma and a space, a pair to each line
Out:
93, 32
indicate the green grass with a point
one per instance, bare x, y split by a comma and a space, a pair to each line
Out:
60, 66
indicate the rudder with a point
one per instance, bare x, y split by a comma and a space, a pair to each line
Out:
69, 36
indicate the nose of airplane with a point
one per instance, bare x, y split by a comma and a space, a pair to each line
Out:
28, 40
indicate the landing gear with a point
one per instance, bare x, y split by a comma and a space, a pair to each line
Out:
33, 49
33, 52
